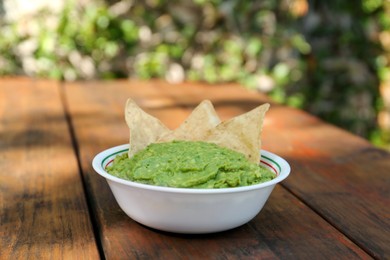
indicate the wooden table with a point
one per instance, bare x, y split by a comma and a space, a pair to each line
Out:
334, 205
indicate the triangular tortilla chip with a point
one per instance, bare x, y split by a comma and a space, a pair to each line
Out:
202, 119
144, 128
241, 133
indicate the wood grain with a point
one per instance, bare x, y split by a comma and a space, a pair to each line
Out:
285, 228
43, 211
341, 176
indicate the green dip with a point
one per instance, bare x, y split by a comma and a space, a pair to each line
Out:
188, 164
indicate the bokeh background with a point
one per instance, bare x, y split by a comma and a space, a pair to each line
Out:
330, 58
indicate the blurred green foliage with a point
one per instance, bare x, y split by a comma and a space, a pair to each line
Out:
326, 57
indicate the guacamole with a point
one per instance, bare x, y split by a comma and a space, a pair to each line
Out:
189, 164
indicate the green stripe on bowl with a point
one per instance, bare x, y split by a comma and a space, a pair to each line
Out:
274, 162
109, 156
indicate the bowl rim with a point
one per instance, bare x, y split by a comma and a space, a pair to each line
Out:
282, 173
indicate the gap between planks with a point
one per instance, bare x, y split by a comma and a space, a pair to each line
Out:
69, 122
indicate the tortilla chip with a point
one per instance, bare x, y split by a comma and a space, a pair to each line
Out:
144, 128
241, 133
202, 119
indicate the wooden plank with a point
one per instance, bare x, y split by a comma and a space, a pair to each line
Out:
285, 228
43, 212
341, 176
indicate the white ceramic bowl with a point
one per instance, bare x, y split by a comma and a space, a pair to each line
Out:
185, 210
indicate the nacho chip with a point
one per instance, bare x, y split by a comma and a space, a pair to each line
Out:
144, 128
241, 133
202, 119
